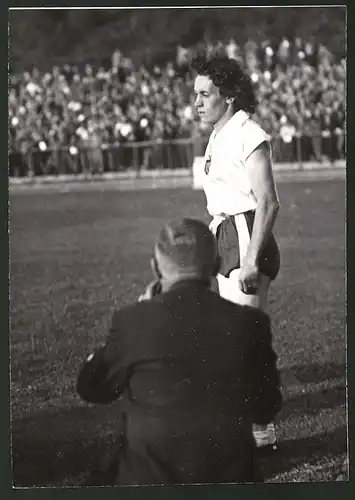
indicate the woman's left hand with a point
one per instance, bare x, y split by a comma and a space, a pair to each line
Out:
249, 278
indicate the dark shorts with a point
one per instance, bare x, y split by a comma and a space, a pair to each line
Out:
229, 252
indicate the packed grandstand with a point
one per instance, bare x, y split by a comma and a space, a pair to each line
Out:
69, 110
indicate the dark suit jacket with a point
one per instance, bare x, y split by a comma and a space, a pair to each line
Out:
193, 371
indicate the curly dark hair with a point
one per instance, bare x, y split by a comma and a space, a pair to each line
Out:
227, 75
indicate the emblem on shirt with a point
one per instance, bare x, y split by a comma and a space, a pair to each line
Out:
207, 165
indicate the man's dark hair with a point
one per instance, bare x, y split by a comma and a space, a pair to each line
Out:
227, 75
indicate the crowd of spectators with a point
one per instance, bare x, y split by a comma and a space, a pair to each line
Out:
300, 88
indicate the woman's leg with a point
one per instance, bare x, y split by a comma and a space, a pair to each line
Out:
228, 288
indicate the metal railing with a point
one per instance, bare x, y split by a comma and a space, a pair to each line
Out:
164, 154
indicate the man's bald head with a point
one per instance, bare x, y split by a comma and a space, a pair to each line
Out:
186, 248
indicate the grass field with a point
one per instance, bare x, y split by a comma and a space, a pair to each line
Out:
77, 256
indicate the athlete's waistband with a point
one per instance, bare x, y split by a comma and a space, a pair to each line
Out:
218, 219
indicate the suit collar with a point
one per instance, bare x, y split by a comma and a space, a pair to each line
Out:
194, 283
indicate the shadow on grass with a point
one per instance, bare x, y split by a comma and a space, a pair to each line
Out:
40, 465
317, 372
64, 446
313, 402
50, 448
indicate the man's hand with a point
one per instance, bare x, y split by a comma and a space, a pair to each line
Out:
249, 278
151, 291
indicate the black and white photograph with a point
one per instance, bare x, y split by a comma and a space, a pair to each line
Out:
177, 246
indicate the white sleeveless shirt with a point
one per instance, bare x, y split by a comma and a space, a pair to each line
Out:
227, 187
